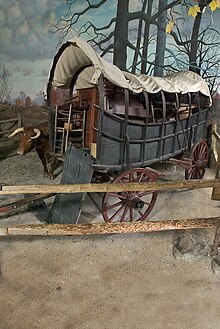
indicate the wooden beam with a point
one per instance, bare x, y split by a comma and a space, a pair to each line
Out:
216, 135
109, 228
216, 189
216, 152
10, 120
113, 187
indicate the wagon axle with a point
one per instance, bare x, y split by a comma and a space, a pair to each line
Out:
134, 202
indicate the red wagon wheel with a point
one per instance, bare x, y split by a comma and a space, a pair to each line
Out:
130, 205
199, 157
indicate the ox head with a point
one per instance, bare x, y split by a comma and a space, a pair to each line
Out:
28, 137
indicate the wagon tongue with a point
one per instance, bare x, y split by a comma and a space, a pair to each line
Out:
185, 163
22, 202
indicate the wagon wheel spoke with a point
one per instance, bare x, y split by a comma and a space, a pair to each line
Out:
140, 178
118, 195
114, 205
200, 153
131, 215
197, 174
124, 214
116, 213
140, 213
144, 193
193, 173
130, 205
131, 178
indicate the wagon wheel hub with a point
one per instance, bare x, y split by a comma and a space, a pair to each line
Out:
134, 202
200, 164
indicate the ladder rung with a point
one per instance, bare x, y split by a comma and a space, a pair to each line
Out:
76, 130
69, 116
75, 139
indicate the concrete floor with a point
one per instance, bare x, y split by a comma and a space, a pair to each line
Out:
113, 281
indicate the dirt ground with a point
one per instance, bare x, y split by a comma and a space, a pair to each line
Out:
113, 281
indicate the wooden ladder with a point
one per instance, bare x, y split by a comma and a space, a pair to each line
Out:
70, 121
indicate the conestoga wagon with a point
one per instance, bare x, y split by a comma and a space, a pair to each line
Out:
122, 124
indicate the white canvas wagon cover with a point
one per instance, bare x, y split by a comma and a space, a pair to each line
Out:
76, 58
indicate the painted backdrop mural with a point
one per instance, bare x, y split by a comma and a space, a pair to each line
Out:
142, 36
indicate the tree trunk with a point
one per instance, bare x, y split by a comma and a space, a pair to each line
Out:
138, 43
121, 35
161, 41
146, 39
193, 65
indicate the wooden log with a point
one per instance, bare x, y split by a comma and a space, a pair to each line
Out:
113, 187
109, 228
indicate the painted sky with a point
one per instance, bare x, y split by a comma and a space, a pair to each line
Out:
26, 47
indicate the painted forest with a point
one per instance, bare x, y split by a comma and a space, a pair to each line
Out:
152, 37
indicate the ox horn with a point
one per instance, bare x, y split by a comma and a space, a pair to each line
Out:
38, 132
16, 131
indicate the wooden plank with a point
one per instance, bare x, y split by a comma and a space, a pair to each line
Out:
10, 120
216, 135
113, 187
6, 132
216, 189
109, 228
216, 148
